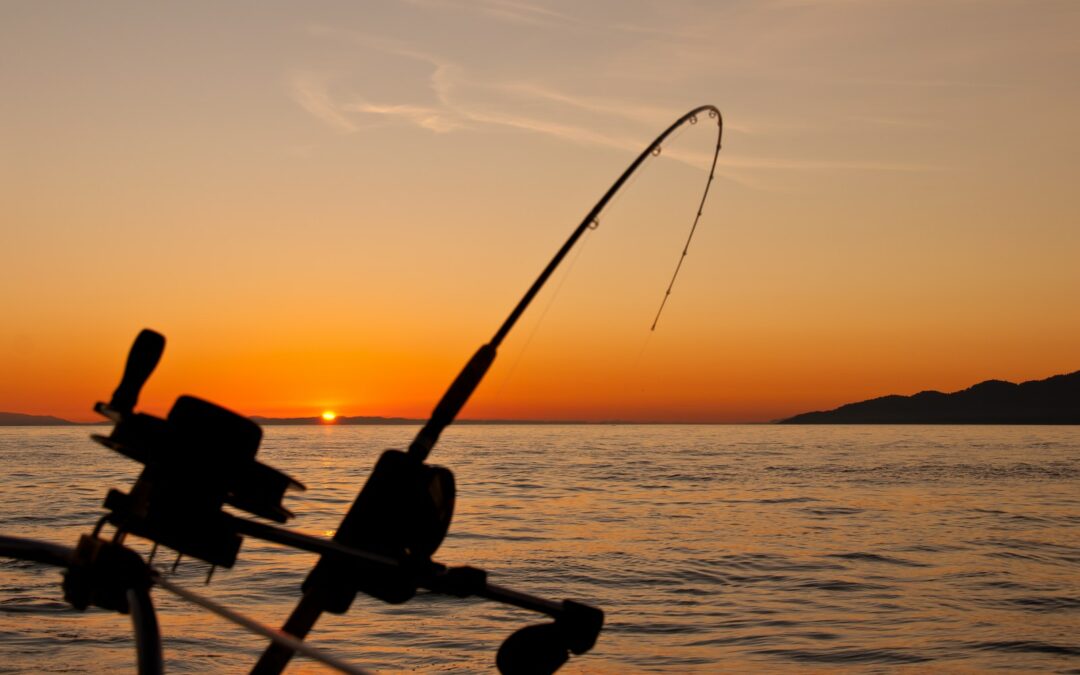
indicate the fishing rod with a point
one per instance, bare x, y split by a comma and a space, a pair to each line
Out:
202, 457
401, 482
466, 382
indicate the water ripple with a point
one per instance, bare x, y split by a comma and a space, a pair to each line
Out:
711, 548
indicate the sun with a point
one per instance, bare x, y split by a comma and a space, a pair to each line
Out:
329, 416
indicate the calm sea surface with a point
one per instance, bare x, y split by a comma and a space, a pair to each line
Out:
711, 548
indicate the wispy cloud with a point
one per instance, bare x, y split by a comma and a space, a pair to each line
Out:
456, 99
451, 110
565, 132
623, 109
426, 117
896, 121
788, 164
309, 90
910, 83
506, 10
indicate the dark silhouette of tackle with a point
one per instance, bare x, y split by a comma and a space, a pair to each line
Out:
202, 456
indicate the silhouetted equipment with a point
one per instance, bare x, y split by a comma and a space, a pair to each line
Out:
453, 400
324, 590
403, 512
142, 359
544, 648
105, 575
202, 457
533, 650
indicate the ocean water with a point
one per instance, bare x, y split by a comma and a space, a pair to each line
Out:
710, 548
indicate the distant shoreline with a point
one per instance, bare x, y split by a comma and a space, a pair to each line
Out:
23, 420
1052, 401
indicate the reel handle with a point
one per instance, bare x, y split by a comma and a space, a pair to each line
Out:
142, 359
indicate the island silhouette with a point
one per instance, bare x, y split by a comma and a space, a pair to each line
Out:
1055, 400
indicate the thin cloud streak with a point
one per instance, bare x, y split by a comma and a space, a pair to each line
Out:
453, 110
425, 117
902, 122
309, 91
446, 78
506, 10
622, 109
827, 165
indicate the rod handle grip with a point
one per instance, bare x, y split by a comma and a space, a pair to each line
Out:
142, 359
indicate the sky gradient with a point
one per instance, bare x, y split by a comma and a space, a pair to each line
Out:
331, 206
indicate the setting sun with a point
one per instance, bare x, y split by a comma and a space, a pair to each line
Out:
329, 416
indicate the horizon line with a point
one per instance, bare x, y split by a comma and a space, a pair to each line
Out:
374, 420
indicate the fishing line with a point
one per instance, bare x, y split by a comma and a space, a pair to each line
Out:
693, 227
652, 159
609, 210
647, 339
540, 320
641, 352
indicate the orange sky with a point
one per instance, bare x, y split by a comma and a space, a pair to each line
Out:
331, 208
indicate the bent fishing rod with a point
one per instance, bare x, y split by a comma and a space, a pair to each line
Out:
201, 457
469, 379
331, 587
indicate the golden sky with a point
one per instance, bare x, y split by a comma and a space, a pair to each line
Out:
331, 205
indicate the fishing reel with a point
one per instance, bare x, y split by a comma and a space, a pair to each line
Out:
200, 457
403, 512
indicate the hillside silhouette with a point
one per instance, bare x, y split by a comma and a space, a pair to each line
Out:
1055, 400
10, 419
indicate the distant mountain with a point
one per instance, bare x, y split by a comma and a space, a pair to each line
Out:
1055, 400
10, 419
